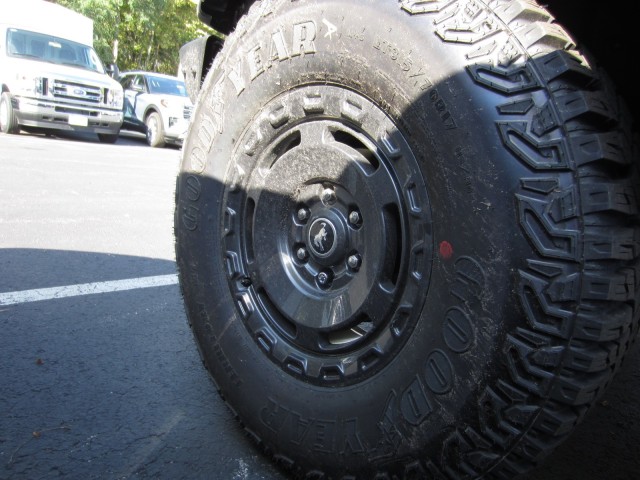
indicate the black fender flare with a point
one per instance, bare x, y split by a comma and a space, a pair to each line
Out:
197, 56
222, 15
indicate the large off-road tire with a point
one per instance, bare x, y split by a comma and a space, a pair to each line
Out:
8, 119
408, 235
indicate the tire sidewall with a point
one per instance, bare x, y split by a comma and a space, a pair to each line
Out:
10, 124
4, 114
433, 386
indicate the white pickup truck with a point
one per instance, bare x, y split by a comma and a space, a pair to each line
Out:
50, 75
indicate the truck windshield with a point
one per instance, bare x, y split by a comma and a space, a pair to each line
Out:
46, 48
166, 86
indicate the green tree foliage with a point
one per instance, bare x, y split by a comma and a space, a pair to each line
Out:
141, 34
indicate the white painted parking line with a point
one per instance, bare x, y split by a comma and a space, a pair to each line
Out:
26, 296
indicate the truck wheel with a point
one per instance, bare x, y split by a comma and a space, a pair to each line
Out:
155, 130
408, 237
8, 120
108, 137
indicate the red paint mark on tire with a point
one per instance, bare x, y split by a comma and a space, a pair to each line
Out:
446, 250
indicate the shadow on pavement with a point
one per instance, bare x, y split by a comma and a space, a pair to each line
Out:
108, 385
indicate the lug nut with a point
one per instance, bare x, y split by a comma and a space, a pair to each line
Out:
354, 261
303, 214
354, 218
324, 279
328, 196
302, 254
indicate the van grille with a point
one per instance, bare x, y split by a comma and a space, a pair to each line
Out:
76, 91
187, 111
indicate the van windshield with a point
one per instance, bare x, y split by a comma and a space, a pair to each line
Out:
47, 48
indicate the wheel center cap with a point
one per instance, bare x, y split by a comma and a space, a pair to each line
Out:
322, 237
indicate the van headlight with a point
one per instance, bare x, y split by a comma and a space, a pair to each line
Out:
115, 98
27, 84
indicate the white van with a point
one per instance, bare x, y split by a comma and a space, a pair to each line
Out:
50, 75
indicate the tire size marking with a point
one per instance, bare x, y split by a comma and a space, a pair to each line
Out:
212, 339
326, 436
356, 34
442, 109
403, 60
224, 361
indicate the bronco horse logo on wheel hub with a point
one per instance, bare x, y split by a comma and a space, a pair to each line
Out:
322, 236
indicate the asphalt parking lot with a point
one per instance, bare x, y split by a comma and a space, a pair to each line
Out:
97, 382
99, 374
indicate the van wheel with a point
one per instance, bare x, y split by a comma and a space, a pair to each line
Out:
8, 120
155, 130
408, 238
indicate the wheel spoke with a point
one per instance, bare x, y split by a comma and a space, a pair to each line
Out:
379, 303
307, 338
385, 192
313, 133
